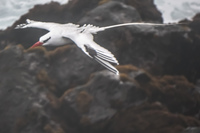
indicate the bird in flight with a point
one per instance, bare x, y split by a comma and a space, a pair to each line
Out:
82, 36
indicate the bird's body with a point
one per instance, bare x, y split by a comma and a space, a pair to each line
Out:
59, 34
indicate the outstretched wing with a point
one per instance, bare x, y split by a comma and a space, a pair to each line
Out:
36, 24
103, 56
93, 50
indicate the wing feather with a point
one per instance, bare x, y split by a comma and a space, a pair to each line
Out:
107, 58
93, 50
103, 54
36, 24
107, 65
104, 58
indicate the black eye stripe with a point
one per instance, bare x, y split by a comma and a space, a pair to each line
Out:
47, 39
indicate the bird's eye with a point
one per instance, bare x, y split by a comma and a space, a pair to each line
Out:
46, 40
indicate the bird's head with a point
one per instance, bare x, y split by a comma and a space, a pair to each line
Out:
44, 40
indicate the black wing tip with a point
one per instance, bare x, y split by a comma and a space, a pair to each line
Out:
117, 73
21, 26
107, 65
108, 58
105, 59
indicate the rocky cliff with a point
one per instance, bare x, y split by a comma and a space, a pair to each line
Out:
61, 90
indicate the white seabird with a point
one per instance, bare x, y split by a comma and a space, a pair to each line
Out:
82, 36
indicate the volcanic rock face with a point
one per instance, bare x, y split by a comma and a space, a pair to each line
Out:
61, 90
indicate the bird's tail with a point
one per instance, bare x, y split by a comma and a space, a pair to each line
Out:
135, 24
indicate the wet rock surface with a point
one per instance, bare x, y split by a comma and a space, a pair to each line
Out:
61, 90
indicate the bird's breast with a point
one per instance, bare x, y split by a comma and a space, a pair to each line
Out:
57, 40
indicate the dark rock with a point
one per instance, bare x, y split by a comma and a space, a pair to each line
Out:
68, 65
149, 118
147, 10
111, 13
28, 94
197, 86
21, 99
100, 98
35, 96
62, 90
192, 130
175, 92
195, 23
185, 103
142, 77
